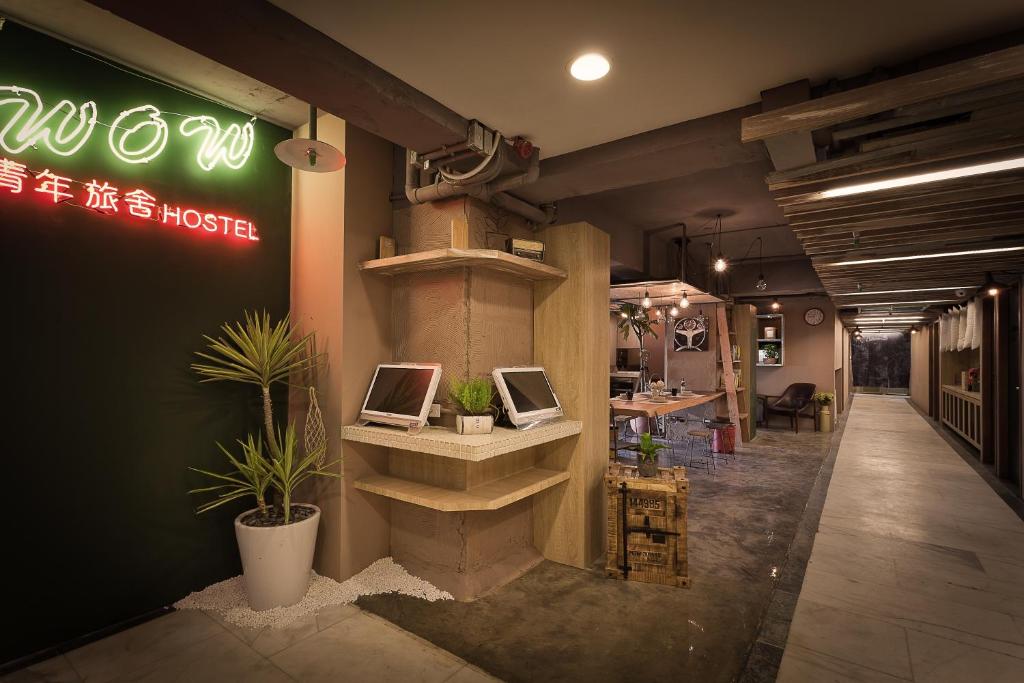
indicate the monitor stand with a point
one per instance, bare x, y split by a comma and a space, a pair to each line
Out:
537, 423
412, 426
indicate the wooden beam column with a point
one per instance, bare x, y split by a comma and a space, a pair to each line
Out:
571, 342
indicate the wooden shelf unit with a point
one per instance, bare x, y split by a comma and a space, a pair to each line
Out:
778, 321
472, 447
448, 259
493, 495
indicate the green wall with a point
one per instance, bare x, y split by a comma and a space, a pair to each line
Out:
102, 314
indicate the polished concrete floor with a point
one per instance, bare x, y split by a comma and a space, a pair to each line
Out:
555, 623
341, 643
917, 570
564, 624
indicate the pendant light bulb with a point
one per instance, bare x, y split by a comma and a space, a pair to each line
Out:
991, 287
775, 304
657, 312
684, 302
720, 264
646, 303
623, 314
674, 312
762, 284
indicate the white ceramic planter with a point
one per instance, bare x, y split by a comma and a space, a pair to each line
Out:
277, 560
474, 424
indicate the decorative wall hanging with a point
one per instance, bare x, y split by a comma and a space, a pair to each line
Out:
691, 334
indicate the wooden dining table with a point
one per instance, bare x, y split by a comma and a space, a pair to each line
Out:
644, 407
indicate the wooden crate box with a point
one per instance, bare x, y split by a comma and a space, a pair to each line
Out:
655, 514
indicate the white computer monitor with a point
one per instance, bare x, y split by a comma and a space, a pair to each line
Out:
400, 394
527, 395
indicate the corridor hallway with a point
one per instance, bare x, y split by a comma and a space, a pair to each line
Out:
917, 570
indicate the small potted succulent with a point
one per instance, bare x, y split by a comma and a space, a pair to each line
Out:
475, 399
276, 539
824, 400
771, 354
647, 455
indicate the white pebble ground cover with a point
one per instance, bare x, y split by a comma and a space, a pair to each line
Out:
383, 576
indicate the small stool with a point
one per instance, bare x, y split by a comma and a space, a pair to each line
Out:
705, 436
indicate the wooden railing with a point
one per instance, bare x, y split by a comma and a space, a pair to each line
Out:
961, 412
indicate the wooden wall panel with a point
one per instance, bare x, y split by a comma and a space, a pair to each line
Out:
570, 341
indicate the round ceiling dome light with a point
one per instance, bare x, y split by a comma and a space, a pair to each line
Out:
590, 67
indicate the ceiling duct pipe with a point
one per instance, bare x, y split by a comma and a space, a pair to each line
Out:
481, 183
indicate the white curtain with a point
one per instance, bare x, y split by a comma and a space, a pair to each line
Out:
971, 327
976, 341
962, 336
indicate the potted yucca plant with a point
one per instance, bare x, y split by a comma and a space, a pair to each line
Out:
475, 399
276, 539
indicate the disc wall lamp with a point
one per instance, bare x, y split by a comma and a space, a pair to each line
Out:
310, 154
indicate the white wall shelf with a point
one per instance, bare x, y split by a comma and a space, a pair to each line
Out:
473, 447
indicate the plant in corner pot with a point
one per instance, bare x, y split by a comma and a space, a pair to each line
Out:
276, 541
636, 319
647, 455
475, 398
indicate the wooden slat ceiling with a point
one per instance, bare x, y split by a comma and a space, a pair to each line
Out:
978, 119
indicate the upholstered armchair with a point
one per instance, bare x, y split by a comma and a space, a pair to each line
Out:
794, 402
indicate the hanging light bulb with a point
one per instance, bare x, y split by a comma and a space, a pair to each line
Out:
991, 287
720, 264
775, 304
762, 284
657, 312
674, 312
623, 314
684, 302
646, 303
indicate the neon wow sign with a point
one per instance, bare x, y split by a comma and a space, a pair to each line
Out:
137, 135
106, 199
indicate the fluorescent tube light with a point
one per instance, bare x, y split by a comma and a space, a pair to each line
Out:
917, 257
904, 303
906, 291
921, 178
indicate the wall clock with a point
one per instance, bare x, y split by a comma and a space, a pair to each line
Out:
814, 316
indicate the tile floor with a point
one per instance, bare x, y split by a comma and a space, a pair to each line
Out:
341, 643
917, 570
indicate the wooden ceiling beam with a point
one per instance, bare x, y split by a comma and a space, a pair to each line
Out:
982, 138
930, 84
912, 222
808, 224
961, 189
946, 239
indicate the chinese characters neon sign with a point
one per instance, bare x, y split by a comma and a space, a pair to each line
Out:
137, 135
107, 199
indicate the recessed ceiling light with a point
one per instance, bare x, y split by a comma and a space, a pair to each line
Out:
590, 67
920, 178
916, 257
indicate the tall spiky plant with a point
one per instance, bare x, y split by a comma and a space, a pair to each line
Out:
257, 352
